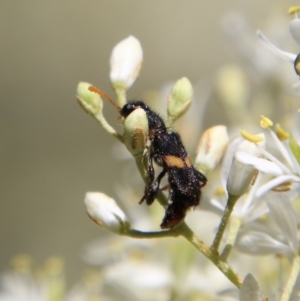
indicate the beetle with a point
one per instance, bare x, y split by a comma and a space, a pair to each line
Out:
167, 150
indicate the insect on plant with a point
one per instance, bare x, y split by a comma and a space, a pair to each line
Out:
167, 150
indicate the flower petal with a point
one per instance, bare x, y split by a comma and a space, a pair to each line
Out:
295, 30
276, 182
285, 217
259, 163
290, 57
257, 239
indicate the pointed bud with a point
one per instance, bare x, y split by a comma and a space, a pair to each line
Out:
136, 132
88, 100
105, 212
125, 63
179, 99
241, 174
211, 148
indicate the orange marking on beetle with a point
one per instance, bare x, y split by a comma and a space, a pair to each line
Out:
173, 161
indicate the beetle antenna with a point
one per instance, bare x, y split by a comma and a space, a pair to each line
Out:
104, 95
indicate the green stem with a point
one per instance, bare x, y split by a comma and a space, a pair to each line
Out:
222, 265
234, 226
286, 294
188, 234
228, 210
121, 95
102, 121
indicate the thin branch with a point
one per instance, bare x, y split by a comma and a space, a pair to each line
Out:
225, 218
287, 291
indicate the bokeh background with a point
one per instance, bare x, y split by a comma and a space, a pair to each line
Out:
51, 151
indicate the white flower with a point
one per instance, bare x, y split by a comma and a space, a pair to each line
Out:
277, 194
287, 176
237, 177
287, 56
105, 212
125, 62
237, 173
261, 239
145, 280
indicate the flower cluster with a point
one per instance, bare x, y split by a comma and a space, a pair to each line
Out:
243, 242
250, 196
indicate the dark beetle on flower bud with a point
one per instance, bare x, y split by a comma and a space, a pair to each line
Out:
167, 150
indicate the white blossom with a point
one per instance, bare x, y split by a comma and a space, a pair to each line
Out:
105, 212
125, 62
239, 174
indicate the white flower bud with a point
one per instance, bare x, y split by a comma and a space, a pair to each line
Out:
125, 63
211, 148
88, 100
105, 212
241, 174
179, 99
136, 132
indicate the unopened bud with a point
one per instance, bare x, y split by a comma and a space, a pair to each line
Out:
211, 148
105, 212
88, 100
136, 132
179, 99
125, 63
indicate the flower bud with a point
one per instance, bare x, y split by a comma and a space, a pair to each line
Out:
125, 63
241, 174
211, 148
88, 100
136, 132
179, 99
105, 212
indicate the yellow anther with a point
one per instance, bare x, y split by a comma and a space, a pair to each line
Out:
251, 137
281, 133
294, 9
265, 122
220, 191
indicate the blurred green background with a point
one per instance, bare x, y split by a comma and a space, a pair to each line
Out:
51, 151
